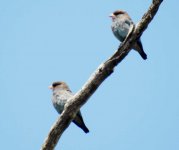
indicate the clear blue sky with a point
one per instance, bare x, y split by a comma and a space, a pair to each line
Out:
41, 41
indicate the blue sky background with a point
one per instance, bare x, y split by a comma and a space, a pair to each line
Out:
42, 41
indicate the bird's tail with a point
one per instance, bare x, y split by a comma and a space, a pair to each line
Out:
85, 129
80, 123
138, 47
143, 55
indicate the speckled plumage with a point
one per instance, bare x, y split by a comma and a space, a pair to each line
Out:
121, 23
61, 94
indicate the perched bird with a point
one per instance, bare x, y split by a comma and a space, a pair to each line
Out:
121, 23
61, 94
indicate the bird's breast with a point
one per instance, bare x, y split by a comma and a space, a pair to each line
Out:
58, 103
120, 29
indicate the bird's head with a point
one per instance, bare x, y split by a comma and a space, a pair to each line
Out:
59, 85
117, 14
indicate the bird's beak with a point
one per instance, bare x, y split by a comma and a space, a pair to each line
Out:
50, 87
112, 16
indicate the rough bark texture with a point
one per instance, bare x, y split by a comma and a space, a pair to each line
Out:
102, 72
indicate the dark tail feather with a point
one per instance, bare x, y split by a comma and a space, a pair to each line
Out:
80, 123
138, 46
143, 55
84, 128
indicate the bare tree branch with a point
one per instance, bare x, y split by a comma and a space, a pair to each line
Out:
102, 72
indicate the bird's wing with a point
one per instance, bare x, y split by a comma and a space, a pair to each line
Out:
128, 22
125, 26
63, 97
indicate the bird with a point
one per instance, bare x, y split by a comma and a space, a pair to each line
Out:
121, 23
61, 94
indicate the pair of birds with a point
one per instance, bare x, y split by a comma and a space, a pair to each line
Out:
121, 23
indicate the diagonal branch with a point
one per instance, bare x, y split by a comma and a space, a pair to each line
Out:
101, 73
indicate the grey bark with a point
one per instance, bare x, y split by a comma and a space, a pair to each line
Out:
95, 80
